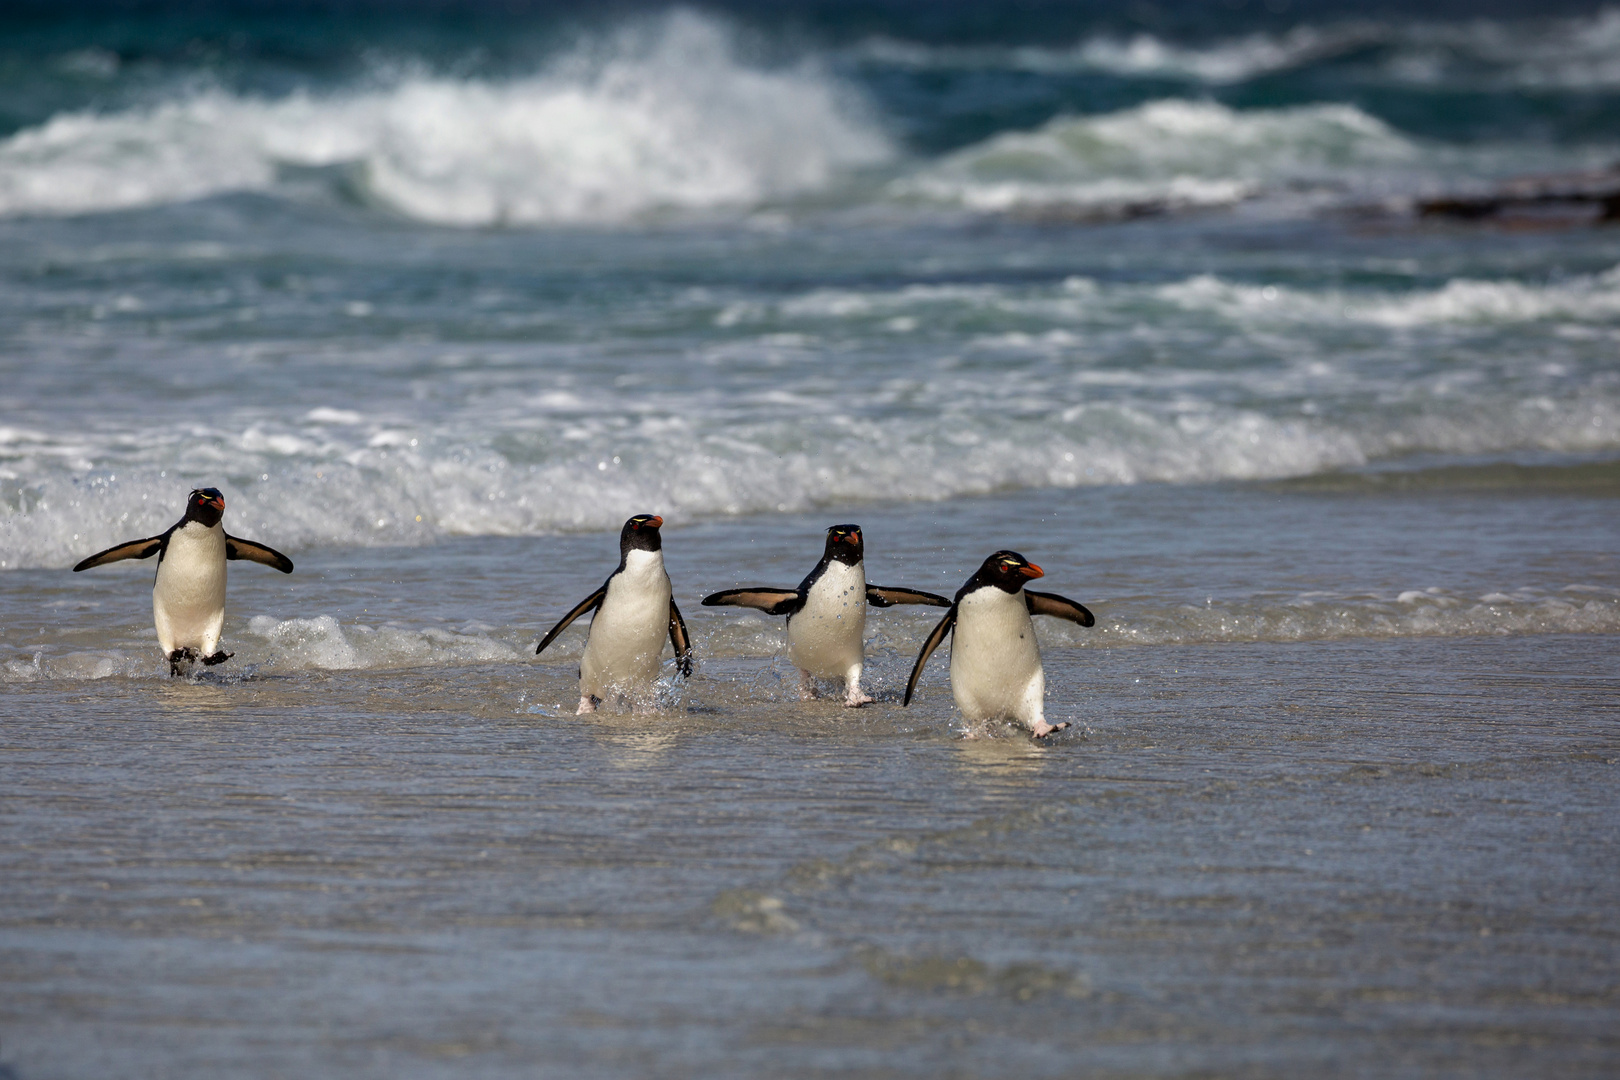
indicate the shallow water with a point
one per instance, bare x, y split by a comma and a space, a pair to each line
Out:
1448, 552
1364, 857
1334, 800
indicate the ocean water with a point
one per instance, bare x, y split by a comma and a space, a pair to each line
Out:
439, 297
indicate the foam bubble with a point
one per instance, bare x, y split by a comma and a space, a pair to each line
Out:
664, 116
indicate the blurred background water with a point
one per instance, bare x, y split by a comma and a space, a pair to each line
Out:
438, 294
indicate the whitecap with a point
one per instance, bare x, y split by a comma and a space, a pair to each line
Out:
1169, 153
664, 115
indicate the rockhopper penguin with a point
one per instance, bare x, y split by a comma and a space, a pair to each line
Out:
188, 597
996, 669
827, 613
634, 610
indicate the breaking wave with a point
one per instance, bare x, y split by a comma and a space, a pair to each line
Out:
1171, 153
661, 117
1037, 388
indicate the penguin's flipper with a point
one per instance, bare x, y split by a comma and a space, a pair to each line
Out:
679, 638
928, 648
589, 603
237, 548
133, 549
888, 596
1059, 607
770, 601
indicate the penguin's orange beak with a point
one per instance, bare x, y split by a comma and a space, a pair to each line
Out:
216, 501
849, 538
655, 521
1030, 570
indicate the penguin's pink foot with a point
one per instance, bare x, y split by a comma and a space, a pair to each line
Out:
587, 704
1042, 730
857, 699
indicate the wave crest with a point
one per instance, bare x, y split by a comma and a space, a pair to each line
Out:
1172, 152
669, 119
1580, 53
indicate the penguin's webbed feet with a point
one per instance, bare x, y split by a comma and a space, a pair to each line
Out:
1047, 729
587, 704
218, 658
178, 657
857, 699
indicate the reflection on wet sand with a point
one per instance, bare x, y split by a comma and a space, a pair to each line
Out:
632, 742
998, 757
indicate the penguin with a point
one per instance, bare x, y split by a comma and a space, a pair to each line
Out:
827, 613
996, 669
634, 610
188, 596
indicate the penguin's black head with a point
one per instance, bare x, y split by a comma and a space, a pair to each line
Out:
1006, 570
640, 533
205, 506
844, 544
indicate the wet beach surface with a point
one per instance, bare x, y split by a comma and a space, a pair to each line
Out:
1317, 812
1363, 857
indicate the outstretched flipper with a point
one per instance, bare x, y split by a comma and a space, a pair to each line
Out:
928, 648
131, 549
1059, 607
590, 603
679, 638
237, 548
770, 601
888, 596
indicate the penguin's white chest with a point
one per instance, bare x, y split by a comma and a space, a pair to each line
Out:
995, 663
188, 598
627, 634
825, 637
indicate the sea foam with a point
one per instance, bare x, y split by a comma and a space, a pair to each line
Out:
992, 387
324, 643
1167, 153
663, 117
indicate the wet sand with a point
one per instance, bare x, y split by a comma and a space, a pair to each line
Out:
1366, 857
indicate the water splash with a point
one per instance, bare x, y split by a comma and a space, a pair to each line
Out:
664, 115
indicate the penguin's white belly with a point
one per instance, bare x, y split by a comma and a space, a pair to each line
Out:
188, 599
995, 664
626, 641
826, 636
